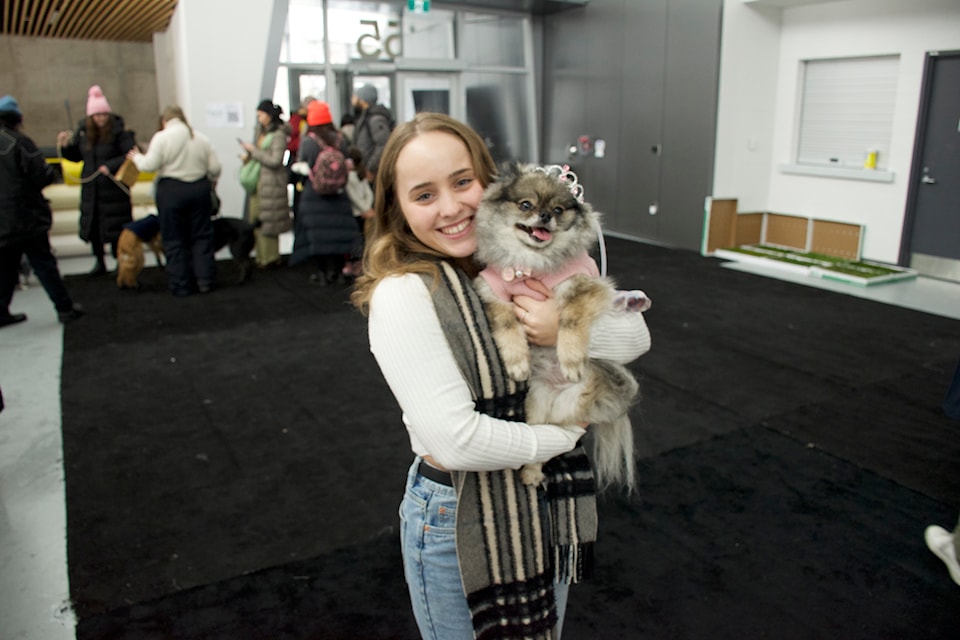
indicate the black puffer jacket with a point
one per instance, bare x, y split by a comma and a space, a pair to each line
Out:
324, 224
24, 212
100, 196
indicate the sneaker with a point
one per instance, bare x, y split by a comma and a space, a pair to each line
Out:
75, 313
12, 318
941, 543
99, 269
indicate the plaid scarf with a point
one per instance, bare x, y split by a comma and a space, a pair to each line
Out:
513, 541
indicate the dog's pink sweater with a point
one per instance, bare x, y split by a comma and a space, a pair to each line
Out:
517, 286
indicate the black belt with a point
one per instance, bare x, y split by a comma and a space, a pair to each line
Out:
432, 473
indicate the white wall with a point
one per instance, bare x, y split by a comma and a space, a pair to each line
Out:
749, 52
218, 51
909, 28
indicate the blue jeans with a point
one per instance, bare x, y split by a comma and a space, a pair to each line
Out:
427, 541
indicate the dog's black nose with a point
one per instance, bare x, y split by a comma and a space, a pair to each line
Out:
545, 216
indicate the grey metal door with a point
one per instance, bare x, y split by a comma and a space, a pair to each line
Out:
934, 223
640, 142
629, 101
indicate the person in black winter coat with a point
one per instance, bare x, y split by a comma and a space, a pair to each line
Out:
101, 142
372, 129
324, 229
25, 218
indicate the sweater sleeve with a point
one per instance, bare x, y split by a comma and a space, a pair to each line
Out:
410, 347
153, 159
620, 336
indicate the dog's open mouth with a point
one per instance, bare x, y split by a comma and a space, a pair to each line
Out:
539, 234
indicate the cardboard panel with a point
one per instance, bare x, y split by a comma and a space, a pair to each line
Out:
838, 239
749, 229
787, 231
722, 227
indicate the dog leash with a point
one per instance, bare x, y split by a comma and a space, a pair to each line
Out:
91, 177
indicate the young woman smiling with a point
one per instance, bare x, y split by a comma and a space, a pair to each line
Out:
484, 555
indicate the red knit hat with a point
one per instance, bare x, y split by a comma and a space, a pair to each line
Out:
318, 112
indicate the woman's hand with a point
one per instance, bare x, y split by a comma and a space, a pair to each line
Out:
132, 153
247, 147
63, 138
540, 318
103, 169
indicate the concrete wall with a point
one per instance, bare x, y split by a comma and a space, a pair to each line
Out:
761, 57
42, 73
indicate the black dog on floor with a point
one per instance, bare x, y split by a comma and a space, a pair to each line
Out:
238, 236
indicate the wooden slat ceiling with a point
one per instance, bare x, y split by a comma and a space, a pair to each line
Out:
113, 20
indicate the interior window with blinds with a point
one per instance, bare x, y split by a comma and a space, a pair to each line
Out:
847, 112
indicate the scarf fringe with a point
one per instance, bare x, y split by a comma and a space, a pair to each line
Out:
573, 563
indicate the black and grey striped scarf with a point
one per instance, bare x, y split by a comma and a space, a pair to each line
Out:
513, 541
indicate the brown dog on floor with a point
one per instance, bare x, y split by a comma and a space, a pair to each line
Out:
130, 259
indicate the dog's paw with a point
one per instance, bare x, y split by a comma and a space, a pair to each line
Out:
531, 474
574, 370
518, 370
631, 301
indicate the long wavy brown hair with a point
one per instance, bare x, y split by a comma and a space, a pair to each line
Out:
97, 135
392, 249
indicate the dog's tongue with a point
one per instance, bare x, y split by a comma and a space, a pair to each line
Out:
540, 234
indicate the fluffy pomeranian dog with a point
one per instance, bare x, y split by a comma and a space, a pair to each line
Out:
227, 232
532, 223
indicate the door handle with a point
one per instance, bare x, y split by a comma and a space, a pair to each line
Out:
928, 180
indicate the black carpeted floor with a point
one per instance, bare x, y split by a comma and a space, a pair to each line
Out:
234, 464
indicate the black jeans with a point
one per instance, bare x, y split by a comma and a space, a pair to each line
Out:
184, 211
43, 263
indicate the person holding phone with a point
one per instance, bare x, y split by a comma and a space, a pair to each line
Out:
269, 204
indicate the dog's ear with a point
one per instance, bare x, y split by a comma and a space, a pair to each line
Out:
509, 171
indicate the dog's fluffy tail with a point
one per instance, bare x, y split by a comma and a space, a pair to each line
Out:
613, 455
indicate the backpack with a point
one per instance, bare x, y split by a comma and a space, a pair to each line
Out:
328, 175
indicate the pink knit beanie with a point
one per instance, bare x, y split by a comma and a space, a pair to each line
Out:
96, 103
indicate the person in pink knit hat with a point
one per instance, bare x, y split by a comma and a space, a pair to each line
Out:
101, 142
